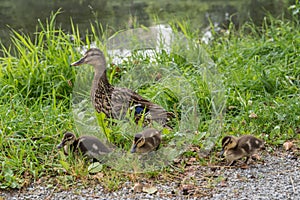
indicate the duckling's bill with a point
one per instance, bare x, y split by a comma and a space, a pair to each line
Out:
59, 146
222, 153
133, 149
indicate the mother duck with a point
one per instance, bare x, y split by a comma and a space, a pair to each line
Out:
115, 102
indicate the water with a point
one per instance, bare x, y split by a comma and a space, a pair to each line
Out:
23, 15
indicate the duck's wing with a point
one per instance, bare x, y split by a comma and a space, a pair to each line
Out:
124, 100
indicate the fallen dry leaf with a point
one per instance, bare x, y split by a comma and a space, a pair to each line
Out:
149, 189
231, 107
253, 115
256, 156
70, 83
223, 183
243, 122
138, 187
177, 160
241, 178
194, 149
244, 166
187, 189
158, 76
288, 145
99, 176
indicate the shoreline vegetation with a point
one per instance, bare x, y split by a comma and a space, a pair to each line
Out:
260, 73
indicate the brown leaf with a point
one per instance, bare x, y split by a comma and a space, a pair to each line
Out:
253, 115
241, 178
256, 156
138, 187
223, 183
149, 189
187, 189
288, 145
193, 159
158, 76
243, 122
244, 166
70, 83
231, 107
194, 149
99, 176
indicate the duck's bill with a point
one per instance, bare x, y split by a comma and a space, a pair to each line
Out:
59, 146
79, 62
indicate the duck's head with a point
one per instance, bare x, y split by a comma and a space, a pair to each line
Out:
228, 142
94, 57
138, 143
68, 139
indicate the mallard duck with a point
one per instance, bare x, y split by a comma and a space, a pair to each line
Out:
235, 148
115, 102
85, 145
146, 141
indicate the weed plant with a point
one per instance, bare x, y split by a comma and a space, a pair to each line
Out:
259, 67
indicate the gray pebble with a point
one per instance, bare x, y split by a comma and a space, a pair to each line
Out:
276, 178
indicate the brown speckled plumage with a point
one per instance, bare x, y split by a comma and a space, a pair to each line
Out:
146, 141
116, 102
86, 145
245, 146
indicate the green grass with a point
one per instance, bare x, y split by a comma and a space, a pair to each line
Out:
261, 75
258, 67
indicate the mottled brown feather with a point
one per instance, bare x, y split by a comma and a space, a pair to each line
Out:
115, 102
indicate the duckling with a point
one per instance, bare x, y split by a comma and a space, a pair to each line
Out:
235, 148
114, 102
86, 145
146, 141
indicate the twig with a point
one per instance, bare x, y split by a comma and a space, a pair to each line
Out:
292, 181
220, 166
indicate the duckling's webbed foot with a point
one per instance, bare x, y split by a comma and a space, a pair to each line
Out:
232, 163
246, 161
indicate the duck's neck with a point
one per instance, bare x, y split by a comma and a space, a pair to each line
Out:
100, 85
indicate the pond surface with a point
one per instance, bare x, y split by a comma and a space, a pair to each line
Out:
23, 15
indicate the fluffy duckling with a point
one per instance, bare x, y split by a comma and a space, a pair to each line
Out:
235, 148
86, 145
146, 141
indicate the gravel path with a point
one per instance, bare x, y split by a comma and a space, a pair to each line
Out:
276, 177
